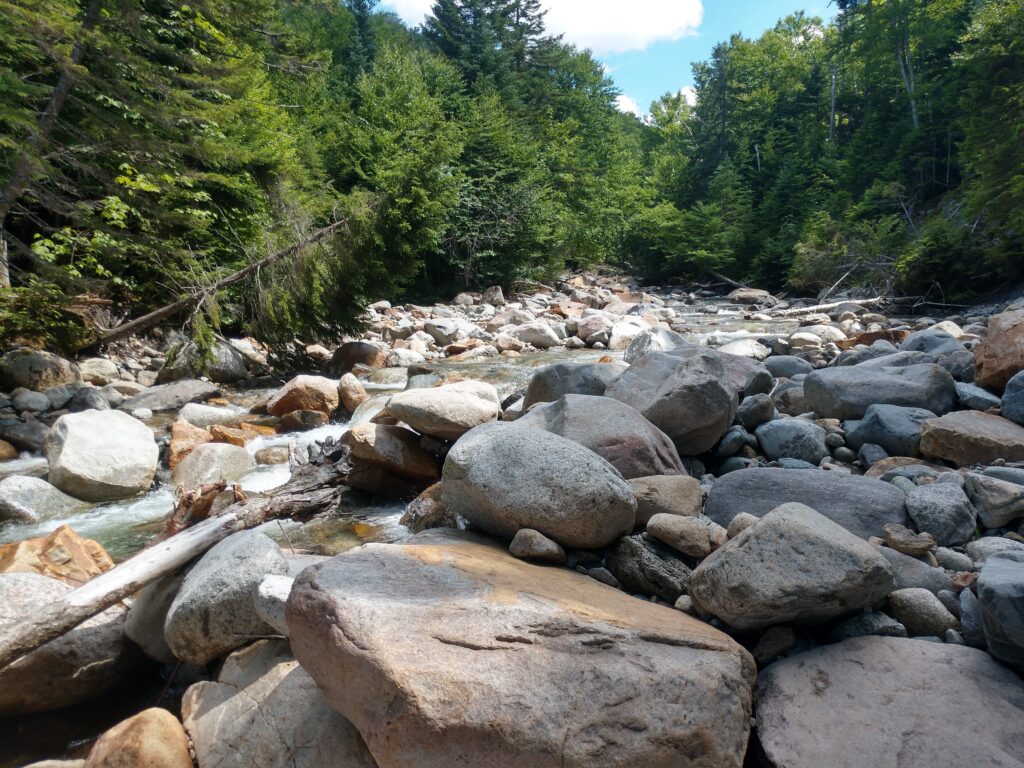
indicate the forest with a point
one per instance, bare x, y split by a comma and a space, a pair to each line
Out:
150, 148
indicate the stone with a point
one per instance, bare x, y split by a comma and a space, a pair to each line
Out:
971, 622
238, 436
87, 399
646, 685
921, 612
787, 366
269, 598
793, 565
443, 331
353, 353
863, 624
35, 402
611, 429
151, 739
428, 511
1013, 399
755, 411
997, 502
625, 332
646, 566
185, 438
944, 511
213, 612
666, 494
273, 454
80, 665
685, 397
98, 371
934, 341
35, 370
739, 524
904, 540
651, 340
793, 439
1001, 603
303, 421
447, 411
895, 428
265, 711
7, 451
1000, 355
148, 614
211, 463
305, 393
752, 296
847, 392
773, 644
694, 537
529, 544
396, 450
351, 392
980, 550
62, 554
171, 397
223, 364
205, 416
502, 477
860, 504
751, 348
878, 702
972, 437
29, 499
911, 572
493, 296
27, 435
553, 381
975, 398
101, 455
538, 334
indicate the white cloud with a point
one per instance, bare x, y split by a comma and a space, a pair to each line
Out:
627, 104
605, 26
689, 93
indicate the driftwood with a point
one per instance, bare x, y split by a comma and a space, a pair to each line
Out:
833, 305
199, 293
727, 280
312, 490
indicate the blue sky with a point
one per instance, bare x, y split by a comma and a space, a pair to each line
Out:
648, 45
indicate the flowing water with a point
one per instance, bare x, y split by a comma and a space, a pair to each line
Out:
124, 527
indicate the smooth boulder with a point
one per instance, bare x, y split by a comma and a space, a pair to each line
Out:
793, 565
896, 428
554, 671
305, 393
101, 455
35, 370
847, 392
448, 411
1000, 355
170, 397
551, 382
792, 439
503, 477
29, 499
972, 437
211, 463
611, 429
1001, 599
151, 739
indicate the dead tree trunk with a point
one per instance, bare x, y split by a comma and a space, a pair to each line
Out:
312, 490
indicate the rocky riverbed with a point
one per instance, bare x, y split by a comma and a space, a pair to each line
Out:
596, 524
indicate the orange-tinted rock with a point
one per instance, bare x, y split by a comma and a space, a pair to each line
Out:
302, 421
305, 393
1000, 355
972, 437
7, 451
232, 435
151, 739
62, 555
185, 438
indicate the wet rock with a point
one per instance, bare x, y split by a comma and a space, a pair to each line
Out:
185, 438
354, 617
78, 666
62, 554
792, 565
895, 428
944, 511
303, 421
211, 463
353, 353
265, 711
666, 494
151, 739
502, 477
529, 544
921, 612
880, 699
35, 370
611, 429
847, 392
305, 393
29, 499
171, 397
213, 612
396, 450
794, 439
1000, 355
685, 397
972, 437
447, 411
1001, 602
860, 504
7, 451
428, 511
101, 455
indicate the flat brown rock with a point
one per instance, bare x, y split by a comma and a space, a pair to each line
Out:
1001, 353
972, 437
446, 652
62, 555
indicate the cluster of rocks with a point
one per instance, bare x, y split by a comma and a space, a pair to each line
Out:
796, 549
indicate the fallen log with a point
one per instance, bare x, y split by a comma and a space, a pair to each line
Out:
312, 490
832, 305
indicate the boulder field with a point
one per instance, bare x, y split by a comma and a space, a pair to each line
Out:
661, 543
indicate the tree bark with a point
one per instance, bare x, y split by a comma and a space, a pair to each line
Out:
5, 269
833, 305
312, 490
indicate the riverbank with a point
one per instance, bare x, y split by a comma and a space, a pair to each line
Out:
656, 517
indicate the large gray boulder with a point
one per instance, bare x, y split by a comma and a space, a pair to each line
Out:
612, 430
213, 612
793, 565
934, 341
223, 364
101, 455
554, 670
80, 665
503, 477
848, 392
652, 340
551, 382
944, 511
792, 439
1001, 597
896, 428
35, 370
862, 505
171, 397
30, 499
211, 463
448, 411
881, 702
743, 376
264, 711
687, 398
